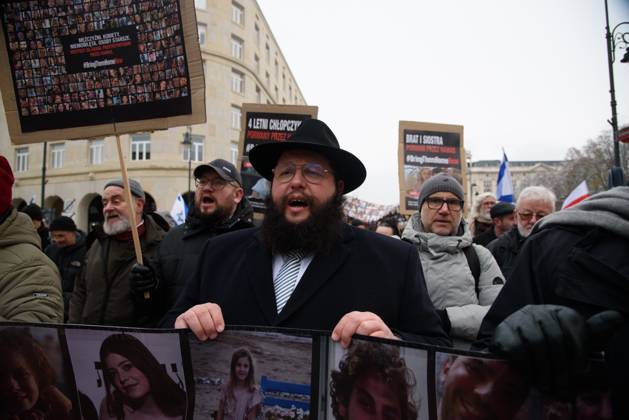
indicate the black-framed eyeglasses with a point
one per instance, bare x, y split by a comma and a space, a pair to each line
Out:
216, 184
314, 173
435, 203
525, 216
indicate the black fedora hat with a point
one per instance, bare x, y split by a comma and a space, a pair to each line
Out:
316, 136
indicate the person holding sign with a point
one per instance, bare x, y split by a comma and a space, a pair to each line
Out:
305, 268
463, 279
111, 290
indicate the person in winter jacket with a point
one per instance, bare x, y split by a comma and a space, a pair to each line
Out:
568, 295
480, 221
30, 287
219, 207
502, 219
67, 251
533, 203
37, 217
112, 289
441, 237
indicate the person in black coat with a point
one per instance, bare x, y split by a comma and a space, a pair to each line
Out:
219, 207
305, 268
67, 251
502, 219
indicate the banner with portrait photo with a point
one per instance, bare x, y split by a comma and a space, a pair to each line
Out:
81, 68
79, 372
426, 149
261, 124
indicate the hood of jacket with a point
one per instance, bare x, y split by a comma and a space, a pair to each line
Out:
18, 229
608, 210
433, 243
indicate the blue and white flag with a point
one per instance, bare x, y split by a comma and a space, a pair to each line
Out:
179, 210
504, 188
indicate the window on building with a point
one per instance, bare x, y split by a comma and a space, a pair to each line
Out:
233, 152
238, 14
283, 81
290, 91
258, 95
238, 82
236, 116
21, 159
267, 49
277, 70
200, 4
202, 29
256, 28
237, 47
256, 61
487, 185
56, 155
96, 151
267, 76
141, 147
277, 93
195, 150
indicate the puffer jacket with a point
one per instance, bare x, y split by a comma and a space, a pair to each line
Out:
30, 285
449, 280
102, 293
178, 254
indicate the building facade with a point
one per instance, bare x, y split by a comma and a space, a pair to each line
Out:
483, 175
242, 63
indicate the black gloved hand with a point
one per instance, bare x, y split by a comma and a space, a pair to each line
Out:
143, 279
551, 343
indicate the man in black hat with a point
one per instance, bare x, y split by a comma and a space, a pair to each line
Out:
67, 251
502, 219
37, 217
219, 207
304, 268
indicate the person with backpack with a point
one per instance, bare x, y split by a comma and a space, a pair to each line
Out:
462, 278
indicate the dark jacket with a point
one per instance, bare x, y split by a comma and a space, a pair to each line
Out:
365, 271
69, 261
485, 238
505, 249
102, 294
178, 253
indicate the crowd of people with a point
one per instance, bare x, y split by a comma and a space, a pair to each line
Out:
543, 289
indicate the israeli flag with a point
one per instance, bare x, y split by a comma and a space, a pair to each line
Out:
179, 210
504, 188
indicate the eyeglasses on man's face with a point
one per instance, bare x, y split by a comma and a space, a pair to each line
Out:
435, 203
216, 184
314, 173
525, 216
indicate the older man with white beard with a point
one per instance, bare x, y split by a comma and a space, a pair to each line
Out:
111, 288
534, 203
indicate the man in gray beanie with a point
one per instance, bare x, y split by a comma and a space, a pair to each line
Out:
111, 289
463, 279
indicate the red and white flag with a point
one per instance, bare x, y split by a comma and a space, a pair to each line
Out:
577, 195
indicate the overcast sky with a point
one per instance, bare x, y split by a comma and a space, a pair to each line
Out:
530, 76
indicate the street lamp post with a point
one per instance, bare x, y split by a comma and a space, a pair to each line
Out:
615, 38
187, 142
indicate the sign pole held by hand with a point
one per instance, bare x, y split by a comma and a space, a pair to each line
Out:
129, 200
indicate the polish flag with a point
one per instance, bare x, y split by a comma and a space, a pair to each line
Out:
577, 195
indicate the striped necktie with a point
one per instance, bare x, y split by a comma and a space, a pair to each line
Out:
284, 283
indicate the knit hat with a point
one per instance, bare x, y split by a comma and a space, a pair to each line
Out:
136, 188
6, 183
441, 183
501, 209
34, 212
63, 223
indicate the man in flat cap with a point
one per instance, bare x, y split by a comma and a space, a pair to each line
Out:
502, 219
219, 207
305, 268
67, 251
112, 289
463, 279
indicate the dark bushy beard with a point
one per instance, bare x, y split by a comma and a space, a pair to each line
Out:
317, 234
216, 219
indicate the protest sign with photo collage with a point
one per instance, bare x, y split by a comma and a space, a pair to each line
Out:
78, 372
426, 149
81, 68
262, 124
